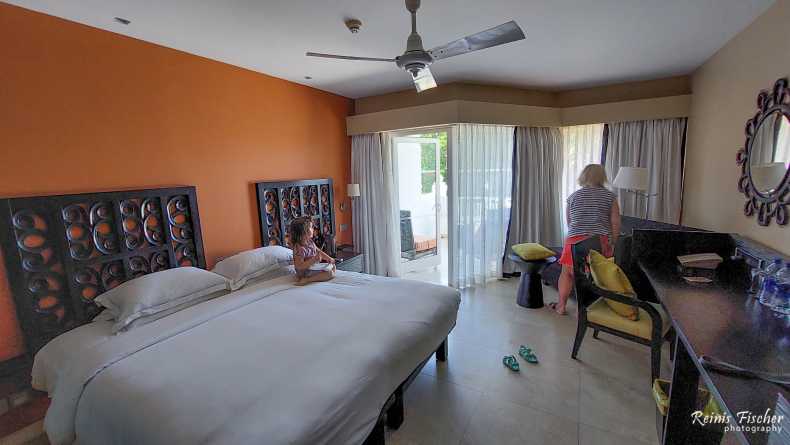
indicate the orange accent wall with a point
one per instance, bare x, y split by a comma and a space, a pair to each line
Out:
82, 109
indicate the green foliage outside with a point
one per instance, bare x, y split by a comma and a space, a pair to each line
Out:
428, 160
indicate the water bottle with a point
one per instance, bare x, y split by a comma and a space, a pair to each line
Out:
757, 277
774, 267
783, 275
768, 292
782, 300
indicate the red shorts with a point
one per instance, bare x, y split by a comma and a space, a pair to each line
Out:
566, 259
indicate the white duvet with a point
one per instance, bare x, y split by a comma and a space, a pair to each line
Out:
272, 363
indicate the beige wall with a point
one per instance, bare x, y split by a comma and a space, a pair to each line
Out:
487, 104
632, 110
630, 91
508, 114
725, 90
403, 118
452, 112
454, 91
465, 111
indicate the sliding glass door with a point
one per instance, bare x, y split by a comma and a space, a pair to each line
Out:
419, 194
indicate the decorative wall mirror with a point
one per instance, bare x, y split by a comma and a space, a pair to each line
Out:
765, 159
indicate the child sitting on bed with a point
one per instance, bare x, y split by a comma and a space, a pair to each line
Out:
307, 254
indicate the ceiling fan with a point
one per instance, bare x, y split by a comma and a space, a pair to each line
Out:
416, 59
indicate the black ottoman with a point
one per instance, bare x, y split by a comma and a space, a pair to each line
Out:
530, 289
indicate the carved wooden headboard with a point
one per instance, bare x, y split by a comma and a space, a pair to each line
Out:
62, 251
280, 202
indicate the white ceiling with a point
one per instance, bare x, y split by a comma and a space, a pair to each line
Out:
570, 43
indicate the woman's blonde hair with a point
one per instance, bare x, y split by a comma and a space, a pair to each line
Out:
593, 175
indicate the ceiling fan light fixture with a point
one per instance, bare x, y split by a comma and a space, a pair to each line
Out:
424, 80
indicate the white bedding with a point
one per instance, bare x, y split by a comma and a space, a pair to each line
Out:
270, 363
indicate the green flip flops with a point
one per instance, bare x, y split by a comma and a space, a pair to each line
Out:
510, 362
527, 354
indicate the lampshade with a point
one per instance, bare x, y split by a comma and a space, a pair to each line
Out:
352, 190
631, 178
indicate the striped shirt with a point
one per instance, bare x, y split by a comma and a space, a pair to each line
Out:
306, 251
590, 211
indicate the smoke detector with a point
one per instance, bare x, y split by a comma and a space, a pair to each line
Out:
353, 25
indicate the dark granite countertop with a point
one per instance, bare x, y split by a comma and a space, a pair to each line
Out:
722, 321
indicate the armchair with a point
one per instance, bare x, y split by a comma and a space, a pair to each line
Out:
650, 329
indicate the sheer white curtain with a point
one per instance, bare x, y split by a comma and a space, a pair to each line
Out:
581, 145
375, 218
656, 145
481, 174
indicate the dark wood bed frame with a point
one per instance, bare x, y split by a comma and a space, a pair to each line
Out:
392, 414
62, 251
279, 202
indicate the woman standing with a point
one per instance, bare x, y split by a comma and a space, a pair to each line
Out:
591, 211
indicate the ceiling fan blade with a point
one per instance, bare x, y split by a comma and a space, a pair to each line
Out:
424, 80
498, 35
335, 56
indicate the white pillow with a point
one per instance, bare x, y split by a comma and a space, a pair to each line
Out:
252, 263
146, 319
157, 292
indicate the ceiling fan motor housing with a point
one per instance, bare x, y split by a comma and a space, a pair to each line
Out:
414, 61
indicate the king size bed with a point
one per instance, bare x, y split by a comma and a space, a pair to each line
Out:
258, 360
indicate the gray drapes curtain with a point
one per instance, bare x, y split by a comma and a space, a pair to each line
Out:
536, 209
375, 217
658, 146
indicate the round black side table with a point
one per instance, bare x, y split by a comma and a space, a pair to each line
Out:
530, 289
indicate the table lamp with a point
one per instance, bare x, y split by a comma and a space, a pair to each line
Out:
634, 180
352, 190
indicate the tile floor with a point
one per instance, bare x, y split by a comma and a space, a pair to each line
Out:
603, 398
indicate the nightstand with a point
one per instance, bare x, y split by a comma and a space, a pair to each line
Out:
348, 261
20, 405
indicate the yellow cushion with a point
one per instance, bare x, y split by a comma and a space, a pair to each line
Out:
608, 276
532, 251
600, 313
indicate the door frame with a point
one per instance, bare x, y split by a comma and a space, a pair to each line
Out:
452, 134
428, 261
